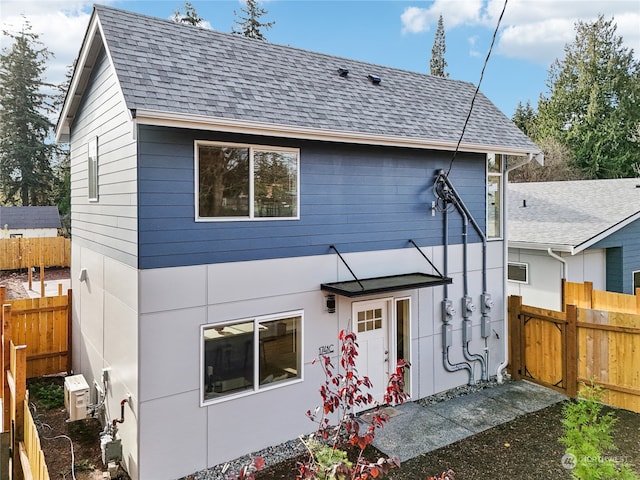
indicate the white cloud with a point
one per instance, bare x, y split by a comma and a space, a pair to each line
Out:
60, 24
536, 30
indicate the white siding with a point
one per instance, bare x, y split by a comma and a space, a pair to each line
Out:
109, 225
544, 288
175, 302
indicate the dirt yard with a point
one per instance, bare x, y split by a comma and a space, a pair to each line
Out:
13, 280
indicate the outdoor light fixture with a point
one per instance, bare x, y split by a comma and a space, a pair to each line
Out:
331, 303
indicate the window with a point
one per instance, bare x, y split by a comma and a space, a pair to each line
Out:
92, 169
494, 195
518, 272
246, 182
636, 281
403, 338
251, 355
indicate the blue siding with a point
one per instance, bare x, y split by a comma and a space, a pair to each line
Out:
628, 240
358, 198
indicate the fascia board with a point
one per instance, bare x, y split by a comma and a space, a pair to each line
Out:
202, 122
609, 231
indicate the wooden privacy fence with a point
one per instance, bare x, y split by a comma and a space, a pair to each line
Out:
584, 296
44, 326
17, 253
580, 345
24, 458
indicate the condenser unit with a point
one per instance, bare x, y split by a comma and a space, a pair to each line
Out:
76, 397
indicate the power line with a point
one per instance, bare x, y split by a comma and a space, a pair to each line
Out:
473, 100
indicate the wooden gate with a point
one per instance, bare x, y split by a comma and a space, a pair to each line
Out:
562, 350
543, 344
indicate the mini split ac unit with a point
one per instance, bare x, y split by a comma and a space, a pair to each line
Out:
76, 397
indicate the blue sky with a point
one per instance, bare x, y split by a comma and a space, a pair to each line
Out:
394, 33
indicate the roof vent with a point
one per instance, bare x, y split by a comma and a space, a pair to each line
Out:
374, 79
344, 72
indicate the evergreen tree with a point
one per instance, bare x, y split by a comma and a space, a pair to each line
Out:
594, 102
438, 64
250, 25
189, 16
525, 119
26, 176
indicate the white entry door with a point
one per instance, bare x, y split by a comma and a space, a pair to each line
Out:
370, 324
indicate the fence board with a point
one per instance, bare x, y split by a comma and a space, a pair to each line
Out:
583, 295
42, 325
19, 253
577, 345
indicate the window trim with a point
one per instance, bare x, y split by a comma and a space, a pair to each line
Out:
500, 176
252, 147
92, 174
526, 269
257, 388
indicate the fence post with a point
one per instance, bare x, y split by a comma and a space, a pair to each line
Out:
6, 364
571, 350
42, 280
515, 336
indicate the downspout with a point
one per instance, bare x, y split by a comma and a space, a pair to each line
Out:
447, 313
565, 266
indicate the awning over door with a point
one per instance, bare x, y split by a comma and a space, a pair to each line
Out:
392, 283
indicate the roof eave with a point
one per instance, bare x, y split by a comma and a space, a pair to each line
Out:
91, 44
558, 247
230, 125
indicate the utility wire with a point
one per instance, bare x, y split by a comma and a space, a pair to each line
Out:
473, 100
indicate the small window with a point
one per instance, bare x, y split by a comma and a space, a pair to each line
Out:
636, 281
92, 168
246, 182
518, 272
251, 355
494, 196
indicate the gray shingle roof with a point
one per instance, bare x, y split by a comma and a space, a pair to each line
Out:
570, 214
169, 67
29, 217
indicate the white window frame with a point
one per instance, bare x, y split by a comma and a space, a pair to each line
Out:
500, 178
252, 148
92, 169
408, 376
257, 388
526, 270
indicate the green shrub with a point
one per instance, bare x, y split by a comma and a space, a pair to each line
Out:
47, 395
588, 438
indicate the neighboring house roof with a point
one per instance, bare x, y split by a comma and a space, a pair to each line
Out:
570, 216
180, 75
29, 217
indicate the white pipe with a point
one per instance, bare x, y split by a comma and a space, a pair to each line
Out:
505, 269
565, 267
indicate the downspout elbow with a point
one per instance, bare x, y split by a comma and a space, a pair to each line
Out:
565, 267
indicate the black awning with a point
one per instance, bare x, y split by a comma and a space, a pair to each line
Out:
393, 283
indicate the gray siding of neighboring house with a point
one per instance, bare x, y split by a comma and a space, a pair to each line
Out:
359, 198
620, 274
108, 226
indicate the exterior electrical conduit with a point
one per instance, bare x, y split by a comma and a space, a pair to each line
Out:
448, 366
456, 200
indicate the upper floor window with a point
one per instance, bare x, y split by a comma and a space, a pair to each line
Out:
246, 182
636, 281
92, 169
494, 195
